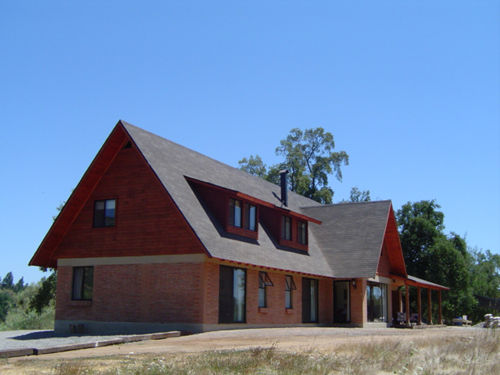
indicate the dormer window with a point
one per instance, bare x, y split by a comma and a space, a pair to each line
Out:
251, 217
293, 232
242, 218
235, 213
286, 230
302, 232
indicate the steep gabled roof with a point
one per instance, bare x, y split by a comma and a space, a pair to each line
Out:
351, 236
346, 244
173, 163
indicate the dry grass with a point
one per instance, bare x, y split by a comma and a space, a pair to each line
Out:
474, 354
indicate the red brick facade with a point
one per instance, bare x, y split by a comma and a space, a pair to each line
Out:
179, 293
161, 293
147, 220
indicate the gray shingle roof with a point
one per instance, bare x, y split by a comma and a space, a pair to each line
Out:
347, 244
351, 235
172, 163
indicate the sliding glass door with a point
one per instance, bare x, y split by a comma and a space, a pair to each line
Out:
376, 295
309, 300
232, 290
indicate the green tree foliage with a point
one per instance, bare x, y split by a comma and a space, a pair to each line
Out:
254, 165
45, 294
444, 259
310, 159
6, 300
359, 196
8, 293
7, 281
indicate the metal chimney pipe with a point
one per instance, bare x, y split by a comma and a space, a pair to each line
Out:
284, 186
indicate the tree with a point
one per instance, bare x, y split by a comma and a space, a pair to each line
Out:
254, 165
360, 196
45, 293
432, 255
420, 224
5, 303
310, 159
19, 286
8, 281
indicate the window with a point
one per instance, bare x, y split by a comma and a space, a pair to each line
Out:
235, 213
83, 282
264, 281
289, 288
232, 301
251, 215
286, 231
104, 213
302, 232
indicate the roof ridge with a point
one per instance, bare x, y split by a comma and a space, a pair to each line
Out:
127, 124
349, 203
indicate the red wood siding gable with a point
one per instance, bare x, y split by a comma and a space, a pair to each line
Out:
391, 260
147, 220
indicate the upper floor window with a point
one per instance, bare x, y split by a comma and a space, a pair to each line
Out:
286, 231
83, 283
235, 213
302, 232
251, 216
104, 213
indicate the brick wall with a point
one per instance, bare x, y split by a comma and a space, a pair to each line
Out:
325, 301
358, 302
147, 220
275, 312
161, 293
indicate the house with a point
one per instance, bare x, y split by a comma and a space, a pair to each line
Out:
158, 237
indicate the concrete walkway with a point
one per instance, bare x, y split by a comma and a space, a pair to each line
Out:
24, 342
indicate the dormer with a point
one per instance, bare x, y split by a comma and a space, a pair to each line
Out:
239, 214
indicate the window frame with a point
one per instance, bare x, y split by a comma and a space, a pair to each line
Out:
245, 208
264, 282
232, 212
82, 275
102, 220
302, 241
228, 291
247, 211
286, 223
289, 288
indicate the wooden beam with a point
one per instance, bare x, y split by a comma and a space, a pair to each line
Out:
400, 300
429, 305
419, 305
440, 319
407, 301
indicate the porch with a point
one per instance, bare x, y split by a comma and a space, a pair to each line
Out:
403, 316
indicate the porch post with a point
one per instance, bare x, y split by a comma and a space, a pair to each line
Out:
400, 300
419, 305
429, 305
440, 319
407, 288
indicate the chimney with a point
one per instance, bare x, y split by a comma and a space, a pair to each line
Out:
284, 189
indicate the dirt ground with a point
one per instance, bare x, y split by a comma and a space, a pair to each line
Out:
286, 339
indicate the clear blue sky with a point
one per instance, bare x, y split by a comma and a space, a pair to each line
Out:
410, 90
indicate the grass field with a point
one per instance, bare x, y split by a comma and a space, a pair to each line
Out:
469, 354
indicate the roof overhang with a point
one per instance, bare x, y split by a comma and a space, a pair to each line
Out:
417, 282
